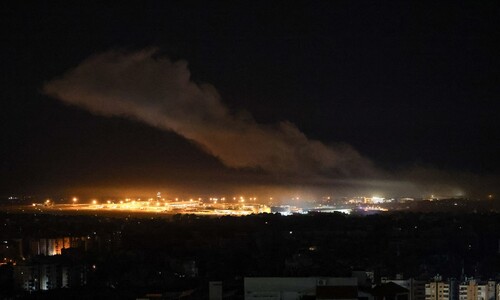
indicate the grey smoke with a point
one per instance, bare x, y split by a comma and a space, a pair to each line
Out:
160, 92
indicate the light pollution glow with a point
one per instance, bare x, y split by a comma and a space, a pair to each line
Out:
213, 206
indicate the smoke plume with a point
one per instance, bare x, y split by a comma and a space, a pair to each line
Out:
160, 92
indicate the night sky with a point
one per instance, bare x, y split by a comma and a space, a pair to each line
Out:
341, 98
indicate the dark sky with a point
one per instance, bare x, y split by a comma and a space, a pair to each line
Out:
407, 85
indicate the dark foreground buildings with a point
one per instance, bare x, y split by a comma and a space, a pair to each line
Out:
393, 256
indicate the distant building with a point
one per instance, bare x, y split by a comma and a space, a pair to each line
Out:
415, 287
295, 288
365, 278
437, 290
215, 290
473, 290
47, 273
35, 277
54, 246
390, 291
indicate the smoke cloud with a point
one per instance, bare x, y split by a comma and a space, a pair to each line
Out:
159, 92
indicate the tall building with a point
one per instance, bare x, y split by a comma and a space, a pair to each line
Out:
54, 246
35, 277
473, 290
49, 272
437, 290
